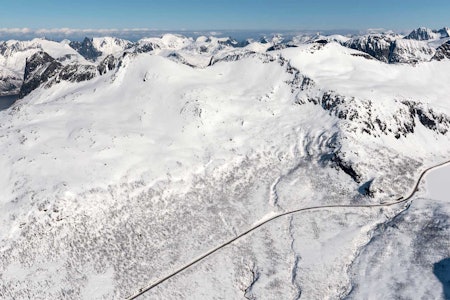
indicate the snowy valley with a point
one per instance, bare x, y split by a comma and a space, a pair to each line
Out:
124, 161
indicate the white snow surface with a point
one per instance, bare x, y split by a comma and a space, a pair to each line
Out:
111, 183
110, 45
438, 184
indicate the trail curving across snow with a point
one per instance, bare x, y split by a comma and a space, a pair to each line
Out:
400, 200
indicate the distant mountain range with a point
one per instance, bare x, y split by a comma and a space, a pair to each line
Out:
420, 45
122, 162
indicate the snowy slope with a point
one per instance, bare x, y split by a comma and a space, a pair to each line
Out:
414, 249
13, 55
115, 180
111, 45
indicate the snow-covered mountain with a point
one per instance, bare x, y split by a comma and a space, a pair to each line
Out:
423, 34
13, 55
126, 161
443, 52
420, 45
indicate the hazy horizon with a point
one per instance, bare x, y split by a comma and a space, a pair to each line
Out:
68, 19
59, 34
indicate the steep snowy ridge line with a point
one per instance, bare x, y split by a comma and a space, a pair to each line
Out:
400, 200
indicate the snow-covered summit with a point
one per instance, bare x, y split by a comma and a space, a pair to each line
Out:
118, 169
111, 45
13, 56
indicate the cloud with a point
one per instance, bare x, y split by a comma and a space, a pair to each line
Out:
15, 30
74, 33
134, 34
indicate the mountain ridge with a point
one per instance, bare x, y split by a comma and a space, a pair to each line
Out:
121, 168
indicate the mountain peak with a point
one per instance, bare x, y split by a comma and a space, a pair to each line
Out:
422, 34
86, 49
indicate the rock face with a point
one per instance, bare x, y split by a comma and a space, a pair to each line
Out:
364, 116
423, 34
108, 64
443, 52
14, 55
86, 49
9, 83
77, 73
145, 47
38, 69
42, 69
378, 46
410, 51
444, 32
393, 49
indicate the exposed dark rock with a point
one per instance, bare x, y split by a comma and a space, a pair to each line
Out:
146, 47
422, 34
407, 51
361, 115
365, 190
432, 120
38, 69
391, 49
442, 52
86, 49
364, 55
378, 46
280, 47
178, 58
67, 57
444, 32
232, 43
263, 40
335, 159
10, 84
43, 70
108, 64
321, 41
77, 73
232, 57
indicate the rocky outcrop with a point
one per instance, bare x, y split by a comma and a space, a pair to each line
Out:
180, 59
423, 34
429, 118
43, 70
280, 47
410, 51
86, 49
364, 116
232, 57
77, 73
9, 83
146, 47
38, 69
444, 32
107, 64
443, 52
392, 49
377, 46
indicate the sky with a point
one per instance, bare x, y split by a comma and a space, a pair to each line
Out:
397, 15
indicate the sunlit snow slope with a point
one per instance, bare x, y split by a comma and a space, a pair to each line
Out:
112, 180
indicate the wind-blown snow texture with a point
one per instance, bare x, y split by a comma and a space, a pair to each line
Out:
120, 166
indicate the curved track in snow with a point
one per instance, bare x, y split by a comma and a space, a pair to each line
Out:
400, 200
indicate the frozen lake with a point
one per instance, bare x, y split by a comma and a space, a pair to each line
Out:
7, 101
437, 183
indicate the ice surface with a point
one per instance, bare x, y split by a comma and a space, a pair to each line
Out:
438, 184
